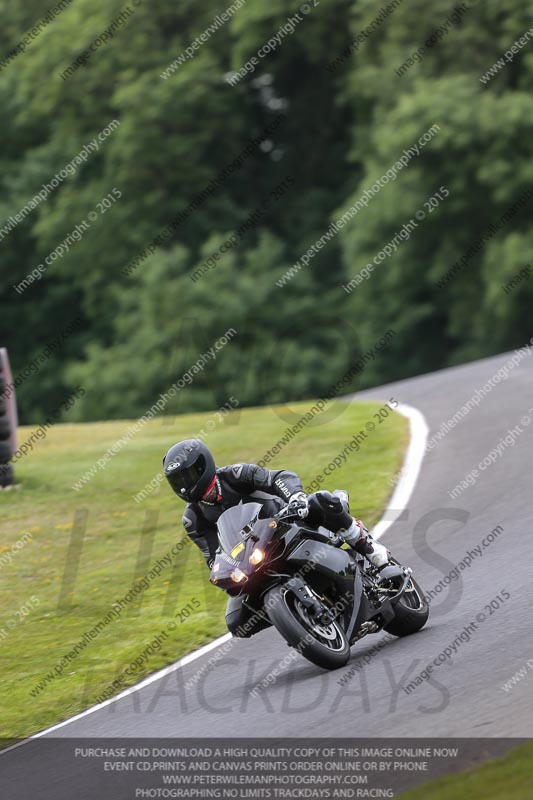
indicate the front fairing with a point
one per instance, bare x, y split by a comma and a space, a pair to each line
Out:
240, 532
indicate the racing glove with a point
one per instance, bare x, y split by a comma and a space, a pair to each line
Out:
298, 504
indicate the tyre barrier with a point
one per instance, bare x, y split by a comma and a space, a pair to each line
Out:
8, 423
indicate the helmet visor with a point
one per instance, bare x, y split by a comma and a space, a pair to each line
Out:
183, 480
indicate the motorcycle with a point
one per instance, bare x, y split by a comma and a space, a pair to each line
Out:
320, 597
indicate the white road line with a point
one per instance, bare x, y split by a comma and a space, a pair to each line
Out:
412, 465
150, 679
408, 477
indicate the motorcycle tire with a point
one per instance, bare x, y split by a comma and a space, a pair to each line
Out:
411, 612
295, 625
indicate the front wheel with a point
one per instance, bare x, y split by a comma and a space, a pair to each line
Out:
410, 612
324, 645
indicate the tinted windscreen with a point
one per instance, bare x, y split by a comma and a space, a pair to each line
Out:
232, 521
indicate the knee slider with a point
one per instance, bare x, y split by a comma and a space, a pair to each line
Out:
334, 515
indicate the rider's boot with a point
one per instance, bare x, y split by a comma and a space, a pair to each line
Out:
333, 511
358, 537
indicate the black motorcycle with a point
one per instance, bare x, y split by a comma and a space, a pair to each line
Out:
320, 597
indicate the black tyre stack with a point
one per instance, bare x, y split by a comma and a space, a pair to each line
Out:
7, 476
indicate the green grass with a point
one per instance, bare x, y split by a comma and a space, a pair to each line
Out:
508, 778
123, 539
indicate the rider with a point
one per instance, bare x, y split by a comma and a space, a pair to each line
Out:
210, 490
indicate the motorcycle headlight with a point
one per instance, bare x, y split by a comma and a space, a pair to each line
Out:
257, 555
238, 575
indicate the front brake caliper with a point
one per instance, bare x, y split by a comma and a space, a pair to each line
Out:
306, 597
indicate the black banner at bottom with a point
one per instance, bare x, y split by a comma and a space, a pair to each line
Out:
134, 769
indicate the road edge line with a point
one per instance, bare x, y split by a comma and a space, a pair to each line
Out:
418, 433
130, 690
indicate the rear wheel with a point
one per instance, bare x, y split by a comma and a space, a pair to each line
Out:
411, 611
323, 644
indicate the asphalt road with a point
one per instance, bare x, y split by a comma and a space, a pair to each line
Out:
463, 695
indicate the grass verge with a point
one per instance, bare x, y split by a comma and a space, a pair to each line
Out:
507, 778
89, 547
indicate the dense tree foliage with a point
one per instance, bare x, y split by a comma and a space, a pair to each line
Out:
268, 164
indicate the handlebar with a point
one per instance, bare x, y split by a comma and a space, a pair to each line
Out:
286, 512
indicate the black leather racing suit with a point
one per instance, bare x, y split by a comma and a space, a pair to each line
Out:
240, 482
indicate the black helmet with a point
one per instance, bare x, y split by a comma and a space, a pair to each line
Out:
190, 469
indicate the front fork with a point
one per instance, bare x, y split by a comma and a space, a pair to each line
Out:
306, 597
